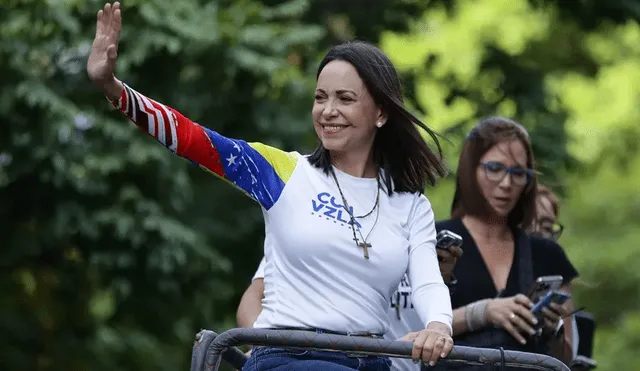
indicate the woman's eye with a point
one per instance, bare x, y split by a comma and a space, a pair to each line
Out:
519, 172
495, 167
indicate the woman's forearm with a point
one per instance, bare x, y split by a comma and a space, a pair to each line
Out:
251, 304
113, 89
459, 321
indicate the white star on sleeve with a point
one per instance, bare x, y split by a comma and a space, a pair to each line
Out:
231, 160
236, 146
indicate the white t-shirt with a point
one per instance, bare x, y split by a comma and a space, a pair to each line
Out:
315, 275
402, 318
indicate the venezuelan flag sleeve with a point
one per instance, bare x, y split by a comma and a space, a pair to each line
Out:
258, 170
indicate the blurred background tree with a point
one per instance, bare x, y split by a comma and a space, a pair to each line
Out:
114, 252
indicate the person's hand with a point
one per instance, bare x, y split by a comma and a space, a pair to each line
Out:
104, 51
430, 344
447, 259
552, 315
514, 315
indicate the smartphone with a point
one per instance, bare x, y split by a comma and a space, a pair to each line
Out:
558, 297
447, 239
544, 285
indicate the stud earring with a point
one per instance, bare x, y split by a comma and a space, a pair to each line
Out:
379, 124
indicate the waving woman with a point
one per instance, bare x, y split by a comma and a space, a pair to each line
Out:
344, 224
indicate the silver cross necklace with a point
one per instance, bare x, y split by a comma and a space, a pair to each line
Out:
352, 221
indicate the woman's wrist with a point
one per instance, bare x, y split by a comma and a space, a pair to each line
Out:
113, 89
439, 326
476, 315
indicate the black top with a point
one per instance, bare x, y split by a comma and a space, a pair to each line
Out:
474, 281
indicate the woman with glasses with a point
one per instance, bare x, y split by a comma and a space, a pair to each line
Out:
547, 224
493, 206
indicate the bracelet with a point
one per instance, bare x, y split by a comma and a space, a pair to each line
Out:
476, 315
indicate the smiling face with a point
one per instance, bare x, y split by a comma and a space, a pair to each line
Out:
344, 112
502, 191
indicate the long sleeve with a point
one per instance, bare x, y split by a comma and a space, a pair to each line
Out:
430, 295
258, 170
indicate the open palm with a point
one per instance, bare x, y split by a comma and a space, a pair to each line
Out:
104, 51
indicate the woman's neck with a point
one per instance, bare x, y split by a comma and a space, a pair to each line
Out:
491, 228
355, 164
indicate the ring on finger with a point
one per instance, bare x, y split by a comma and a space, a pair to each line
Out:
512, 317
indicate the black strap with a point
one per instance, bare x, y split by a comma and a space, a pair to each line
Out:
525, 261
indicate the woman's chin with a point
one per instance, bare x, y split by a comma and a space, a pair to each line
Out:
501, 212
333, 144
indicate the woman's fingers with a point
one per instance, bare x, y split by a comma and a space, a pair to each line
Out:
511, 329
558, 309
456, 252
550, 315
116, 22
446, 349
521, 324
444, 254
433, 348
99, 22
109, 22
418, 346
523, 300
528, 317
107, 14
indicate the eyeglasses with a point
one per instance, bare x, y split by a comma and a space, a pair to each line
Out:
556, 230
549, 229
496, 171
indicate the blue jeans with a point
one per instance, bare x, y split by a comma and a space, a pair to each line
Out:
276, 359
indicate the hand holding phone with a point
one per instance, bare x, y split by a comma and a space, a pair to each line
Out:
448, 248
544, 285
555, 297
447, 239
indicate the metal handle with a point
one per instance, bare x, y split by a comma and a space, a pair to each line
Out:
364, 346
201, 353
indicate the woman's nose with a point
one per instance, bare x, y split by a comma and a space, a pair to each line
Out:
329, 109
506, 181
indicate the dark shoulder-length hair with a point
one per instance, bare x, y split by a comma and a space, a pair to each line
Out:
398, 148
468, 198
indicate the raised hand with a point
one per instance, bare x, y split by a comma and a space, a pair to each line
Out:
104, 50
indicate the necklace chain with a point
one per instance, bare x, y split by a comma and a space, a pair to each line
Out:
352, 222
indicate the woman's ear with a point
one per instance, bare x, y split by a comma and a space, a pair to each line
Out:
382, 119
